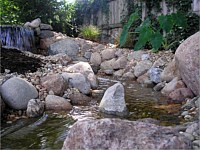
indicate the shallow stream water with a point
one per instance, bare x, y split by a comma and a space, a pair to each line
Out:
50, 131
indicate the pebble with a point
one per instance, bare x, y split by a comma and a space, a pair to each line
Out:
9, 122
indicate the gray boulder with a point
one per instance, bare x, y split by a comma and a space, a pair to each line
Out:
65, 46
113, 101
117, 134
187, 58
78, 81
53, 102
154, 74
85, 69
142, 67
16, 93
35, 108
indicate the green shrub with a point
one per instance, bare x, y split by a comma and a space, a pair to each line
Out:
89, 32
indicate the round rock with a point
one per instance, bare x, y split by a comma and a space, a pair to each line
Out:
16, 93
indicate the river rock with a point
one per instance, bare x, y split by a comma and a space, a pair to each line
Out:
65, 46
170, 72
117, 134
16, 92
145, 80
118, 73
120, 63
46, 34
85, 69
113, 101
35, 23
187, 60
35, 108
108, 65
45, 26
142, 67
95, 59
45, 43
108, 54
136, 55
78, 98
179, 95
53, 102
78, 81
54, 82
128, 76
159, 86
154, 74
172, 85
192, 128
160, 62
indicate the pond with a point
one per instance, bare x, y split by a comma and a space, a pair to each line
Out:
49, 131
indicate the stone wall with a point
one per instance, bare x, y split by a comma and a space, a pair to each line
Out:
110, 24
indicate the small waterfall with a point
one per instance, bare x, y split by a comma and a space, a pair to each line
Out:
17, 37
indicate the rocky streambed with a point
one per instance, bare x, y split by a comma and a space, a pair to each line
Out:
95, 96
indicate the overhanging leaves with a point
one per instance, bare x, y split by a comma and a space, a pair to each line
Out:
156, 40
166, 22
134, 16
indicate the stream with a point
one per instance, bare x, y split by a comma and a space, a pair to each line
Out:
50, 130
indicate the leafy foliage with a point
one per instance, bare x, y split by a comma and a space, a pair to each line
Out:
154, 36
89, 32
57, 13
134, 16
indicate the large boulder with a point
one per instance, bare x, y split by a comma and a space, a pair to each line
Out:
117, 134
16, 92
53, 102
54, 82
142, 67
85, 69
113, 101
78, 81
65, 46
187, 58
